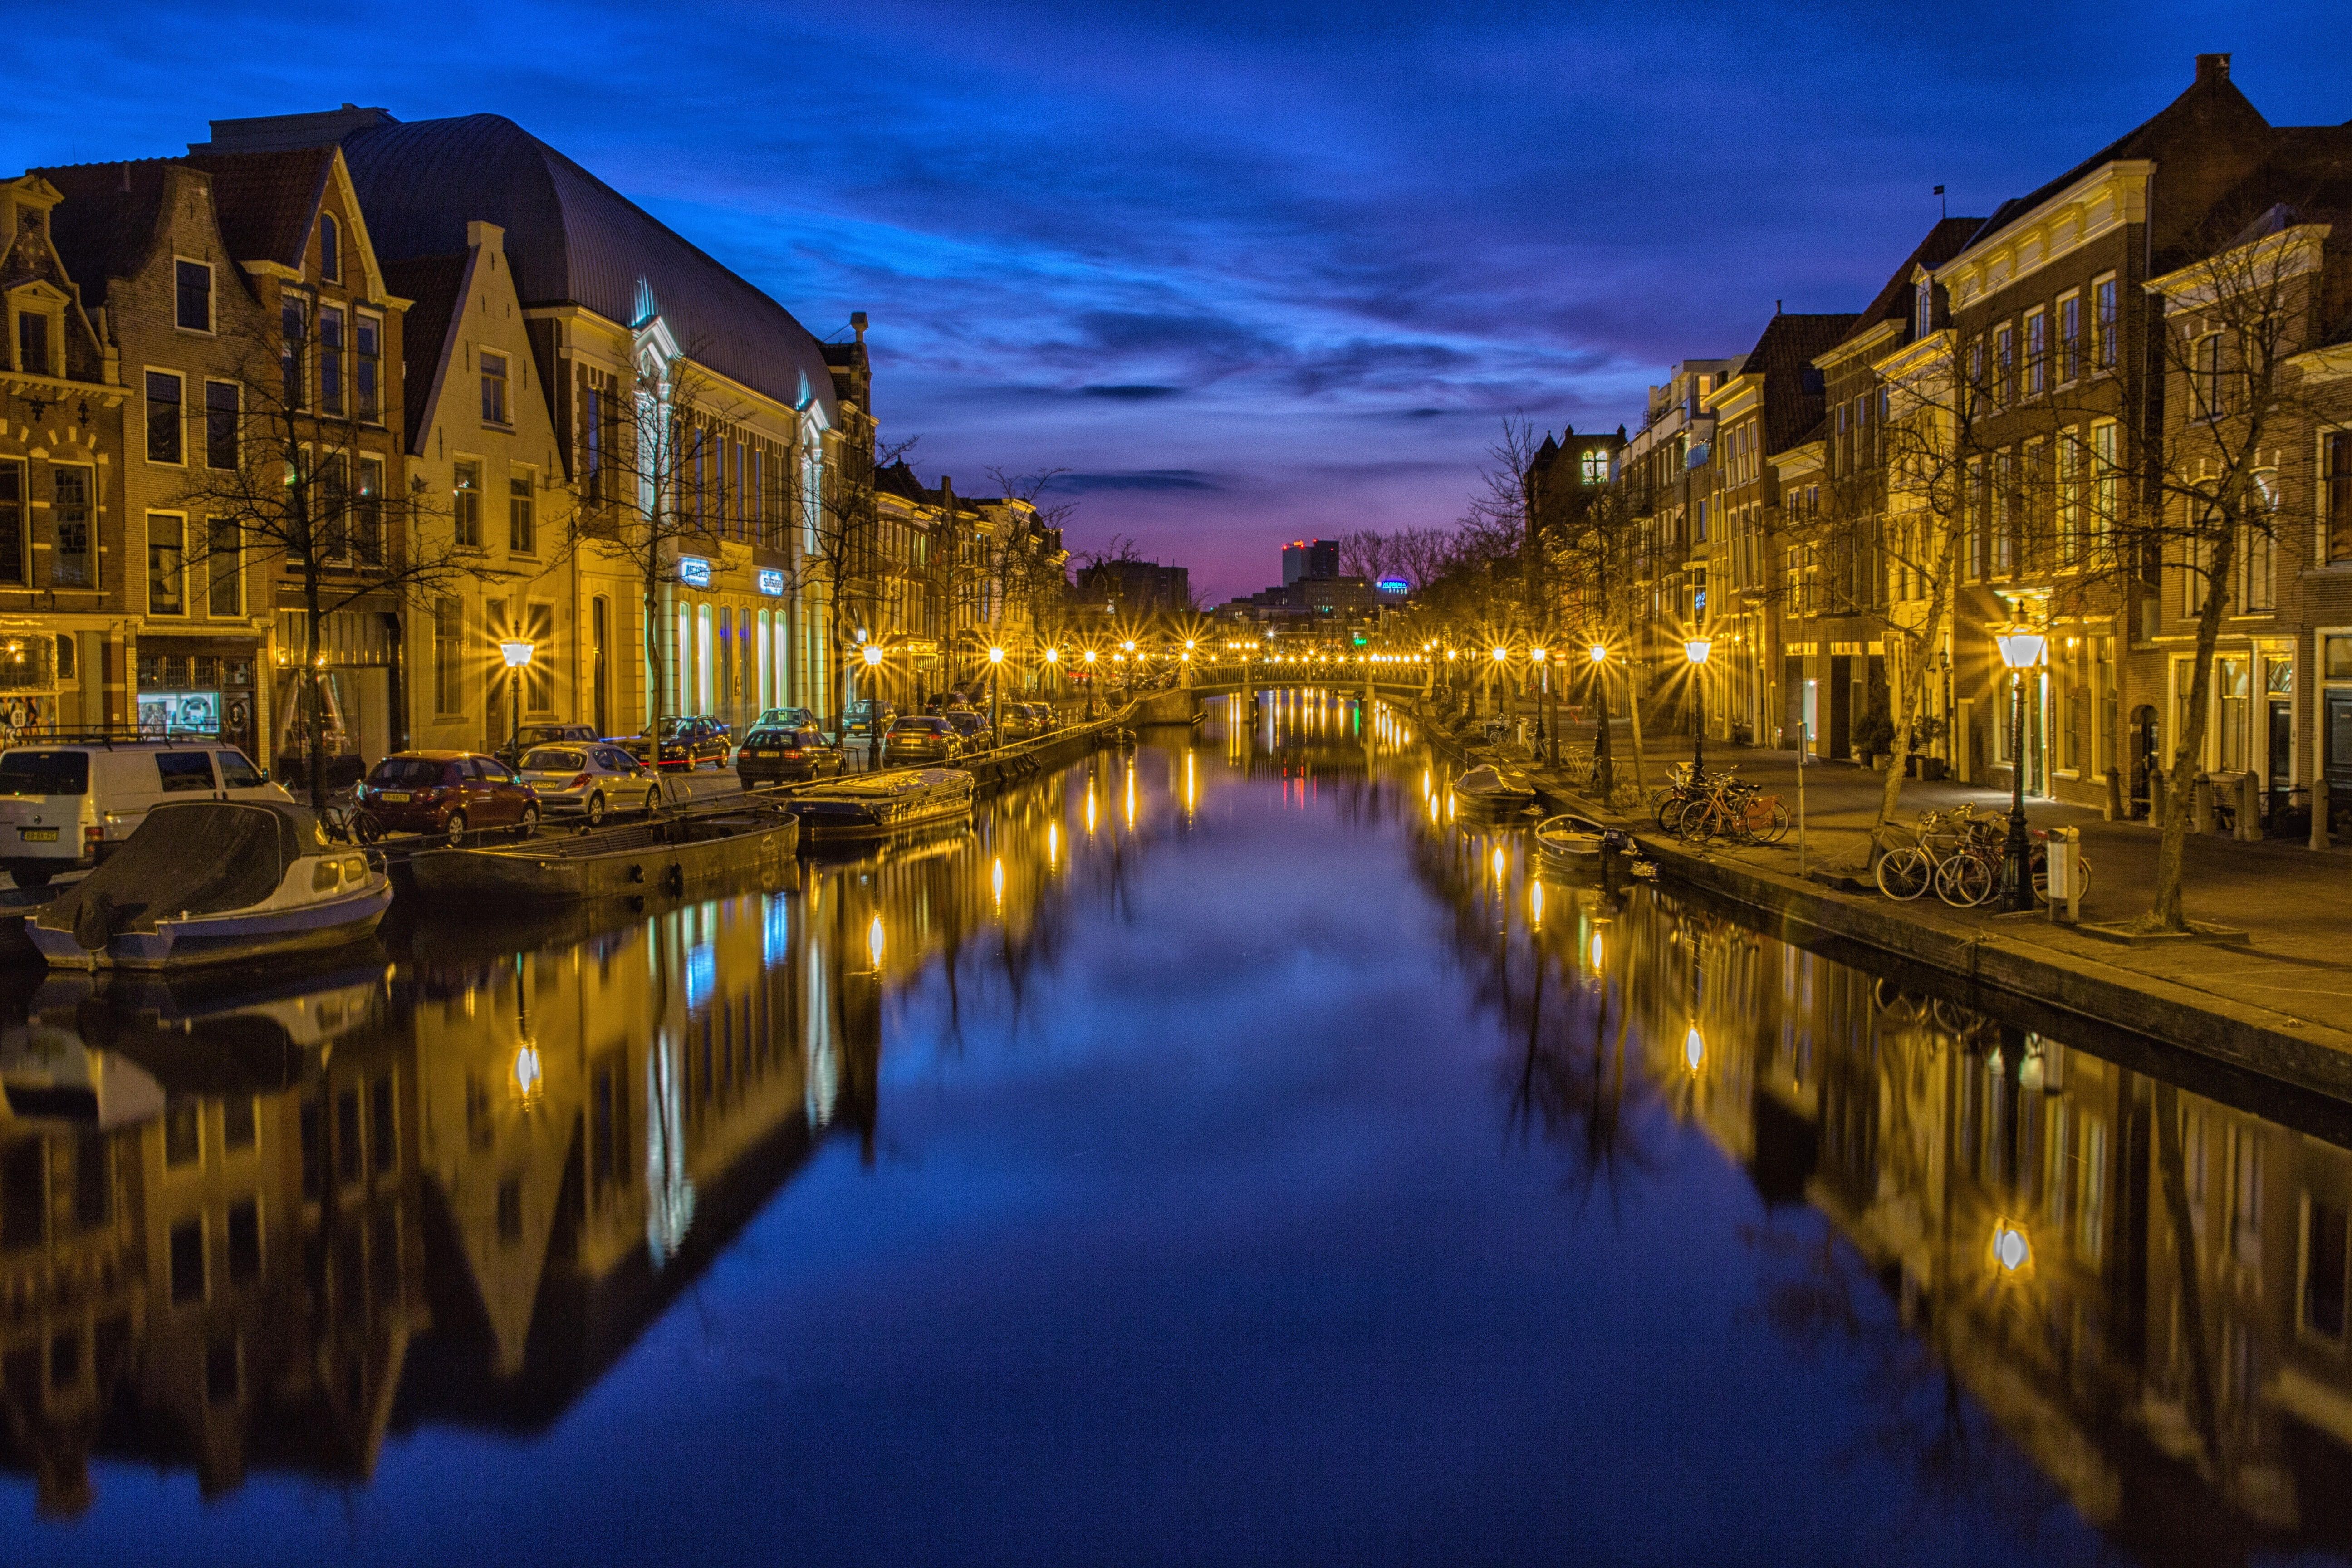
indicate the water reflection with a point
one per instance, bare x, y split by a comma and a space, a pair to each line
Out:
2109, 1290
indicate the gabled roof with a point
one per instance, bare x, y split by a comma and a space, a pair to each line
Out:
437, 285
1947, 240
2209, 112
106, 226
267, 201
1783, 356
573, 240
898, 480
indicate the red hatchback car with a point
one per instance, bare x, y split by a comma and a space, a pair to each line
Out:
443, 793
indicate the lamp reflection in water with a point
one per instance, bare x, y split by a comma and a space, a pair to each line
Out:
1534, 903
2010, 1250
873, 939
530, 1077
1693, 1048
1596, 952
996, 883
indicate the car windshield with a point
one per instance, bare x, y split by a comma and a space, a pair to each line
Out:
45, 772
554, 759
414, 772
806, 738
922, 726
674, 726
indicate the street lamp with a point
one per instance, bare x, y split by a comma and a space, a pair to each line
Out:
1695, 650
2020, 651
1090, 685
516, 652
1601, 760
1543, 702
872, 653
995, 699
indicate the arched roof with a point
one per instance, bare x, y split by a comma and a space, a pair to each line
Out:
573, 239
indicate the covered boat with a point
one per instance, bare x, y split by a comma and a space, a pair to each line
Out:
874, 803
1489, 788
668, 854
214, 881
1571, 840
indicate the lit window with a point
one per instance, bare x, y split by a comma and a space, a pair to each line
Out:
467, 503
494, 389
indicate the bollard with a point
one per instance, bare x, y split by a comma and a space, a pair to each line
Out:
2250, 821
2319, 835
2200, 804
2059, 880
2159, 784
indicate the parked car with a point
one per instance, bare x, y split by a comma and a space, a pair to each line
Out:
783, 719
443, 791
1017, 721
917, 739
510, 752
687, 742
66, 806
594, 779
771, 756
972, 725
866, 718
1043, 720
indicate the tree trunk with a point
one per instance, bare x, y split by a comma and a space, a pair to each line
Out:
314, 721
2166, 911
2188, 1271
656, 680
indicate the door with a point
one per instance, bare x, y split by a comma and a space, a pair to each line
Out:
488, 801
2278, 754
2143, 757
1841, 705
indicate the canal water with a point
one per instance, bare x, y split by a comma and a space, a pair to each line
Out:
1224, 1151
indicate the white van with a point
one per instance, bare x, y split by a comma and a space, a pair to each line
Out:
65, 805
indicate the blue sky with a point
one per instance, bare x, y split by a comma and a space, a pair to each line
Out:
1249, 271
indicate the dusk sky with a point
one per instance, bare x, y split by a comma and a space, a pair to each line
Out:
1249, 271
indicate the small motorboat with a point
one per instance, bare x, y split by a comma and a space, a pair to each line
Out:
667, 855
873, 804
214, 881
1489, 788
1571, 840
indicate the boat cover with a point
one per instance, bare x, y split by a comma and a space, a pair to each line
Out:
196, 856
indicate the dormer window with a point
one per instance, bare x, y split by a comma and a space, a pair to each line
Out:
1923, 308
192, 283
33, 342
330, 248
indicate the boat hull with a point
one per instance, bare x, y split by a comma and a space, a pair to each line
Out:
235, 937
661, 858
866, 812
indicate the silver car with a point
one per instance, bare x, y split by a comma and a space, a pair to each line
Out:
593, 781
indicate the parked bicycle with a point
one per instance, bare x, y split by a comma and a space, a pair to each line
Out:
1964, 857
1731, 809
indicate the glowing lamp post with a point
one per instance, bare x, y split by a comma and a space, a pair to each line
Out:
995, 701
1090, 684
1602, 763
2020, 651
516, 652
872, 653
1695, 650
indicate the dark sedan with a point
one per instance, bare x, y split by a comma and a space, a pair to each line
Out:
687, 742
443, 793
971, 726
772, 756
920, 740
510, 752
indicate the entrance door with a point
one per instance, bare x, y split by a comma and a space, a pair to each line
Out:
2143, 757
1841, 705
2279, 778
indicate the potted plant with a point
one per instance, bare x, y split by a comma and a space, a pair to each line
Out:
1874, 736
1926, 730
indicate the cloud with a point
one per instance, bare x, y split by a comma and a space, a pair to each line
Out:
1138, 479
1131, 393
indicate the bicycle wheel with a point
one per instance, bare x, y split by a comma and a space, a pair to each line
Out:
1697, 824
1905, 873
2042, 878
1777, 828
1964, 881
1668, 807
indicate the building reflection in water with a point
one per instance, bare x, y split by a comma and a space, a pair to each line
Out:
2034, 1225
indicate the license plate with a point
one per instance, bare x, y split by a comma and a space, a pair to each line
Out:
767, 753
37, 834
399, 796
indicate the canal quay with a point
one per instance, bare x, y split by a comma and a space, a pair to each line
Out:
1223, 1149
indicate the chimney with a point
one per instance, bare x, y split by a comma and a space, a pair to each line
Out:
2212, 69
481, 236
857, 324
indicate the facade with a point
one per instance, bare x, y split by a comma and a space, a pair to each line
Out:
1309, 558
1127, 592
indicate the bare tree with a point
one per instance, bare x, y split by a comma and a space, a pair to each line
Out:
287, 485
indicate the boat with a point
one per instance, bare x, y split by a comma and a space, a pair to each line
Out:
666, 855
214, 881
874, 803
1572, 839
1488, 786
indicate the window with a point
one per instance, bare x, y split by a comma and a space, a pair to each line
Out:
2070, 498
193, 288
167, 559
2260, 551
367, 365
331, 501
2205, 376
331, 359
1973, 398
467, 503
181, 1146
2004, 512
592, 441
1596, 467
71, 561
238, 772
2104, 322
2069, 338
2037, 353
448, 643
2004, 365
1923, 308
244, 1242
2233, 698
224, 567
13, 564
522, 536
294, 333
2107, 488
164, 416
221, 410
33, 342
2324, 1270
187, 1262
2338, 479
494, 389
367, 511
330, 248
183, 772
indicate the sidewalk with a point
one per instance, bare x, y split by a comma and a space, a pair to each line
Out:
2292, 982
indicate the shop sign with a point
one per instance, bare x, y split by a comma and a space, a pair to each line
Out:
694, 571
771, 581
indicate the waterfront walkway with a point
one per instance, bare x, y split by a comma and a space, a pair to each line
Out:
2292, 974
